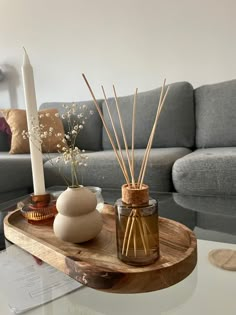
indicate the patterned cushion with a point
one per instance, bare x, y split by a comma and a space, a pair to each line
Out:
16, 118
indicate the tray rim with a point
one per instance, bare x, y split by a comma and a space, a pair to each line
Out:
131, 271
143, 268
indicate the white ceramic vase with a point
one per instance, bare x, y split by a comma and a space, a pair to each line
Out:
77, 220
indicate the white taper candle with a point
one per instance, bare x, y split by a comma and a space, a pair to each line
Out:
33, 123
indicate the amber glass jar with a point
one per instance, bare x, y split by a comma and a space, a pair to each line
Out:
137, 233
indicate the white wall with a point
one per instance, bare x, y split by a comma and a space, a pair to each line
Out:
132, 43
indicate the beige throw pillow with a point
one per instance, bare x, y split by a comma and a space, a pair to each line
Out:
16, 119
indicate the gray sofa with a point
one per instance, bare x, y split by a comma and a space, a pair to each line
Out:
194, 149
211, 167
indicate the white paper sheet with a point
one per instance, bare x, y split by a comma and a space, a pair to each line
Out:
27, 284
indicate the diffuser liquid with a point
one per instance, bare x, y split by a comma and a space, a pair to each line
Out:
137, 233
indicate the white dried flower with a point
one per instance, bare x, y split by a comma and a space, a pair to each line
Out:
69, 152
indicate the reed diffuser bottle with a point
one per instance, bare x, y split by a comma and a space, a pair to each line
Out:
137, 227
136, 214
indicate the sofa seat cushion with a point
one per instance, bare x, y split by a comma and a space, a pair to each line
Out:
176, 125
103, 169
216, 115
16, 173
209, 171
7, 198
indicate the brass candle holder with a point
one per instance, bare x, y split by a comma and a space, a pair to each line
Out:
39, 209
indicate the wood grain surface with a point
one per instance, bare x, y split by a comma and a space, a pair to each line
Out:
95, 262
223, 258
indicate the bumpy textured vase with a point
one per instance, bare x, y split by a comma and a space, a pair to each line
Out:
77, 220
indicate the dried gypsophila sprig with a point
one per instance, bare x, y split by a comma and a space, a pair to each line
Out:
38, 132
69, 153
75, 158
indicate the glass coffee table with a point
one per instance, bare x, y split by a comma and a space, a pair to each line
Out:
208, 290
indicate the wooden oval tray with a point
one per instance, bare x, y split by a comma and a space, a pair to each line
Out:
95, 263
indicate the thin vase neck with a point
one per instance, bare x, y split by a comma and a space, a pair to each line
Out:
75, 187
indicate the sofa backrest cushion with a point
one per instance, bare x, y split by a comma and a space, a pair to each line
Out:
216, 115
90, 137
176, 126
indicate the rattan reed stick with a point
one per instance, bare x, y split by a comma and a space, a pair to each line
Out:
145, 232
126, 232
115, 133
123, 134
152, 137
135, 241
142, 236
149, 231
131, 229
135, 221
133, 133
130, 232
106, 128
144, 158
